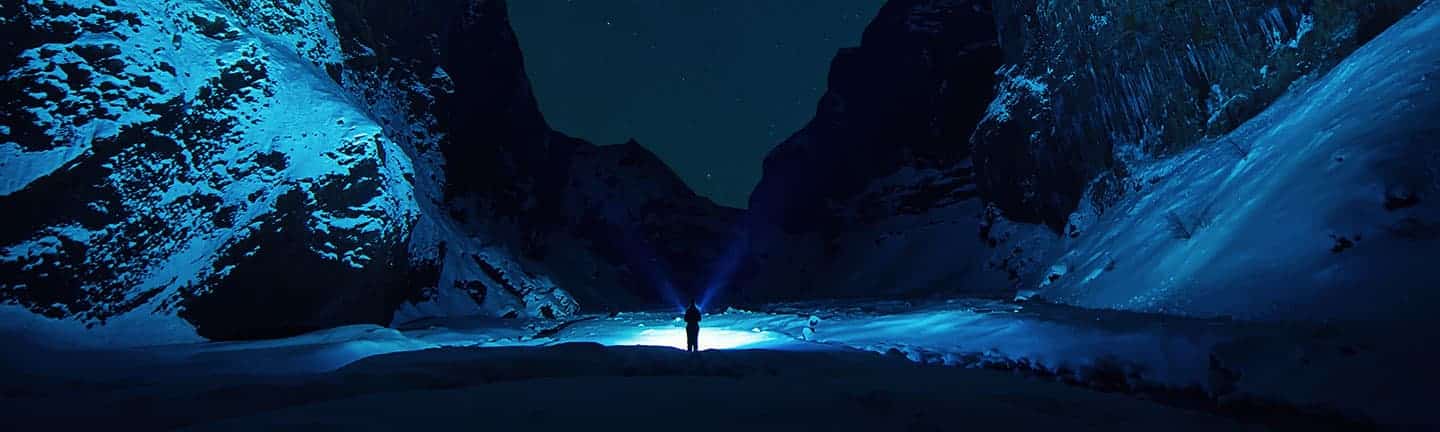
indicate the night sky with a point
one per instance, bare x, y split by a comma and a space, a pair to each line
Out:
709, 86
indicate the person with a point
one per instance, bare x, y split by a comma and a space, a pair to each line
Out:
692, 328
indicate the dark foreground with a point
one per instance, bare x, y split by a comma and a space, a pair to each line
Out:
588, 386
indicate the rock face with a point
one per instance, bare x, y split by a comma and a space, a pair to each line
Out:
903, 185
876, 195
1320, 208
258, 168
612, 224
649, 239
168, 158
1088, 88
262, 168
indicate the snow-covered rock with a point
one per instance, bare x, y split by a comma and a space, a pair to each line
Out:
1328, 213
1087, 87
612, 225
1107, 168
175, 161
258, 168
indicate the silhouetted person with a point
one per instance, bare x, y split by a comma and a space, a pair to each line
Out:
692, 328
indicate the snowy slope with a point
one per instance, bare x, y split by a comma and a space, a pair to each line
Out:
1088, 86
958, 121
261, 168
180, 145
1322, 207
198, 160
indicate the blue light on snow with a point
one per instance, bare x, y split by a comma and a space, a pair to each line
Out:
674, 337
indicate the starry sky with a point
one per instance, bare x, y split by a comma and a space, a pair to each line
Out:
708, 85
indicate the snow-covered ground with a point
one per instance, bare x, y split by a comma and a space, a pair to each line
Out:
586, 386
1315, 370
1322, 207
1339, 368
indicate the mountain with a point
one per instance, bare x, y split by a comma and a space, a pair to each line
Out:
1088, 89
235, 169
1319, 208
238, 169
612, 224
876, 195
1126, 155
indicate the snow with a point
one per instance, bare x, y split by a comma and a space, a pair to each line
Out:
1269, 203
1293, 365
1316, 167
136, 328
674, 337
1307, 23
19, 167
1011, 88
578, 386
291, 109
46, 244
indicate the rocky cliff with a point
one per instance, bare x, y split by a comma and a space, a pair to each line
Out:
613, 224
903, 185
1089, 88
877, 195
164, 157
1319, 208
254, 168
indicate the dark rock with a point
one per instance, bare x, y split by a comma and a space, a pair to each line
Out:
567, 206
888, 145
908, 96
443, 177
1089, 87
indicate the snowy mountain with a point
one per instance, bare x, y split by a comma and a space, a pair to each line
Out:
1088, 88
612, 225
164, 159
240, 169
1101, 132
1318, 208
231, 169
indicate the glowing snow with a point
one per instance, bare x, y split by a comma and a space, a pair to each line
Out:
674, 337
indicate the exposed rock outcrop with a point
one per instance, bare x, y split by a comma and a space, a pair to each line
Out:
1088, 88
1319, 208
903, 185
167, 158
261, 168
876, 195
612, 224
